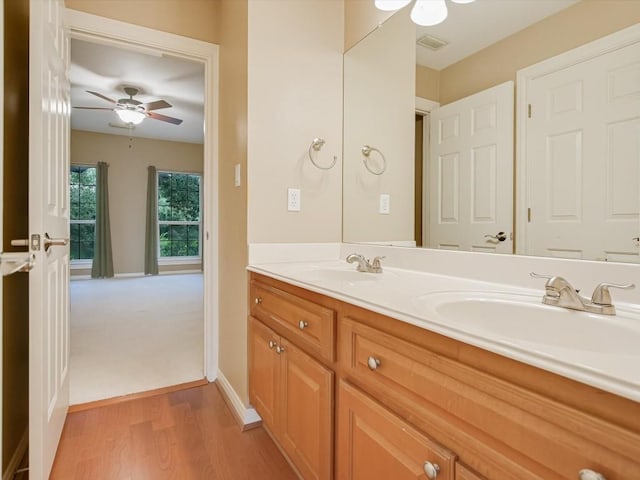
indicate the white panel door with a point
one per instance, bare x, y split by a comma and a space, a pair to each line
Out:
583, 159
48, 215
471, 173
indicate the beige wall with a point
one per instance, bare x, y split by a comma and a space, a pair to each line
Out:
575, 26
128, 161
233, 200
361, 17
379, 99
427, 83
294, 95
189, 18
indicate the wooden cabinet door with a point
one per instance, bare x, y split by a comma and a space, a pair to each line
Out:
306, 420
374, 443
463, 473
264, 373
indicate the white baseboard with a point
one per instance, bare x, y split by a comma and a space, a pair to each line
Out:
14, 463
246, 415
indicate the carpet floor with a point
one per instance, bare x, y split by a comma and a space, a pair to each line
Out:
131, 335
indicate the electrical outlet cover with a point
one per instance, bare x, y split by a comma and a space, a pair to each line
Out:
293, 199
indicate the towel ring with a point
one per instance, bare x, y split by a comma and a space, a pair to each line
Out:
316, 145
366, 151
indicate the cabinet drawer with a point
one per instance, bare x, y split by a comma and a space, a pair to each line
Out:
498, 429
463, 473
375, 443
307, 324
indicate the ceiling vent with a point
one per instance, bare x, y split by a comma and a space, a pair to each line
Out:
431, 42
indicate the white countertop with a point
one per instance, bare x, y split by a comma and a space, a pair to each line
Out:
405, 294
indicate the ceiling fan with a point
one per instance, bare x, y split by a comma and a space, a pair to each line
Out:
131, 111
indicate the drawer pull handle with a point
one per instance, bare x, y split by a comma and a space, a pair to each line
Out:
279, 349
303, 324
586, 474
431, 470
373, 364
258, 300
272, 344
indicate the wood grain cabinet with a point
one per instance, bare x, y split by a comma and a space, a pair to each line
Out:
373, 443
412, 404
293, 393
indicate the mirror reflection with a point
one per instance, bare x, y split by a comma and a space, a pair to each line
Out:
522, 137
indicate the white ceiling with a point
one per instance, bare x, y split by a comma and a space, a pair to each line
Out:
474, 26
106, 70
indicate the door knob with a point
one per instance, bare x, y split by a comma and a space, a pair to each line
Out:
586, 474
431, 470
54, 242
373, 363
500, 236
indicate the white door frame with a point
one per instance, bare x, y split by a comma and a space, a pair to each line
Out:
424, 107
601, 46
1, 207
97, 29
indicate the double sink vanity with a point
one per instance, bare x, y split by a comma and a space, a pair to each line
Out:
408, 374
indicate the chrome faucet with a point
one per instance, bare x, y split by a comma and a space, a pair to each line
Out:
560, 293
364, 265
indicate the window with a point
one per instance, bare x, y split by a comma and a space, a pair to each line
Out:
179, 214
83, 211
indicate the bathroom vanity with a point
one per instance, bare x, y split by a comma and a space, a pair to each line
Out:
349, 389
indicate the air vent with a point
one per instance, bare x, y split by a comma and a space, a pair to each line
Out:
431, 42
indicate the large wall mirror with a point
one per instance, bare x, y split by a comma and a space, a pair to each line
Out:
442, 150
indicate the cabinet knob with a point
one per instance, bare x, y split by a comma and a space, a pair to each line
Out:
258, 300
373, 364
272, 344
279, 349
303, 324
431, 470
586, 474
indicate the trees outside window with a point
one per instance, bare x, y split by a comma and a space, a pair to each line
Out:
82, 211
179, 214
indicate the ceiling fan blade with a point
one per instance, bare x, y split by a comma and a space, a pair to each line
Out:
101, 96
157, 105
93, 108
164, 118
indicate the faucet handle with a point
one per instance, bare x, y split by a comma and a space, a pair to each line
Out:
601, 294
555, 283
376, 261
537, 275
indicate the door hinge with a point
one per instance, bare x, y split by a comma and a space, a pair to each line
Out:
529, 215
529, 110
35, 242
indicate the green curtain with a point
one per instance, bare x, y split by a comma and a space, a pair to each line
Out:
102, 266
151, 235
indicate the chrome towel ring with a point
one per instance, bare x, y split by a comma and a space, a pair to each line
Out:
366, 151
315, 146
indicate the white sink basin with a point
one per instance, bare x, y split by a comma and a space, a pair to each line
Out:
525, 320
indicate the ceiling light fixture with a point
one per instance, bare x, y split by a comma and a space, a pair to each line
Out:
424, 12
129, 116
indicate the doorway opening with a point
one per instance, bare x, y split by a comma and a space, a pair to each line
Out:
136, 211
186, 250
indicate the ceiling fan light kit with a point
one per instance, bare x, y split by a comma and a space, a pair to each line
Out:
132, 111
424, 12
131, 116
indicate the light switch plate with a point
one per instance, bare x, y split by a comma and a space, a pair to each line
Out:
236, 178
385, 203
293, 199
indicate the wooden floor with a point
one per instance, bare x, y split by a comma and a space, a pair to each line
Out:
189, 434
